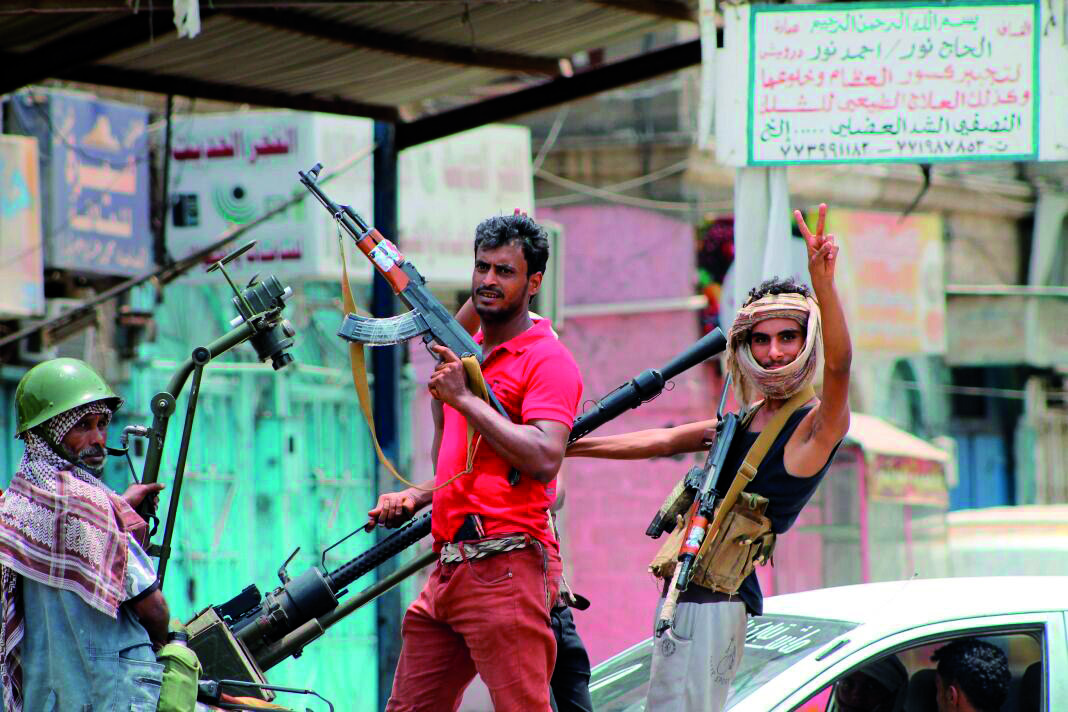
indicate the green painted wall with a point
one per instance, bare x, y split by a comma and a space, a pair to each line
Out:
277, 460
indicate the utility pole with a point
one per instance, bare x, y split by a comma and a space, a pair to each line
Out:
386, 366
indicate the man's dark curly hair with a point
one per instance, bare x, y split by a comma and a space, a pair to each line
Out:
501, 230
776, 285
978, 668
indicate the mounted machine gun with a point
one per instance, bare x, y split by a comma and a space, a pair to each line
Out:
259, 321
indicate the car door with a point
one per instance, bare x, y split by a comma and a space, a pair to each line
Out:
1051, 625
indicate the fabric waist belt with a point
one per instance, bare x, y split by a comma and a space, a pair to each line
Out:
455, 552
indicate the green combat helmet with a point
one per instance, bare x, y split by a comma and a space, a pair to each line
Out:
56, 386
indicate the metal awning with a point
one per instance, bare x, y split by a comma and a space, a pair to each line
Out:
877, 436
432, 66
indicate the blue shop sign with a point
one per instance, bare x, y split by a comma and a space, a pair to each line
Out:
95, 164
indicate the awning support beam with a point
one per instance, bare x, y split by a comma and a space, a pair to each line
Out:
82, 48
557, 91
667, 9
183, 86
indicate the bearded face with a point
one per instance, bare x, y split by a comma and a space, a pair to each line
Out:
84, 442
500, 285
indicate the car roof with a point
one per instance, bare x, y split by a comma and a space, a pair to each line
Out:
918, 601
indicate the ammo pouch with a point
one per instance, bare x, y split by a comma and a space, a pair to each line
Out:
744, 540
741, 537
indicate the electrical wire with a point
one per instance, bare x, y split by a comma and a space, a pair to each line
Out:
980, 391
615, 197
656, 175
550, 140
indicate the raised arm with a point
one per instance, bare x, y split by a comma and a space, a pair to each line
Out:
643, 444
468, 317
830, 419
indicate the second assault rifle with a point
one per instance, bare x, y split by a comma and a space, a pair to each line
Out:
249, 634
704, 480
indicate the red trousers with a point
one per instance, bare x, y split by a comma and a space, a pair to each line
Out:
490, 616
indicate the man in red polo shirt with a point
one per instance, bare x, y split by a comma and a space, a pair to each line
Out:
485, 607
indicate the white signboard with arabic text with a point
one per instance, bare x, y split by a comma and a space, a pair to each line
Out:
875, 82
230, 168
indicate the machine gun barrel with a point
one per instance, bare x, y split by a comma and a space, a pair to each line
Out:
646, 385
261, 623
295, 641
386, 549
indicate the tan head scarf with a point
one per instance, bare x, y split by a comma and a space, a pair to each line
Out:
751, 380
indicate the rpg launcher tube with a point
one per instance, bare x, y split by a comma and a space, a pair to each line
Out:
646, 385
690, 548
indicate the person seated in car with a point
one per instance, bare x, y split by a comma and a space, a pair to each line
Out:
877, 687
973, 676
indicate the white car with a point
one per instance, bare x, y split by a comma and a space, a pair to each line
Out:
805, 642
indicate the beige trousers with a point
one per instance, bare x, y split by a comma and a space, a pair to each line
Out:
695, 661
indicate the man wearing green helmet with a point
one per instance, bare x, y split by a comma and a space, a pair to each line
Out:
80, 606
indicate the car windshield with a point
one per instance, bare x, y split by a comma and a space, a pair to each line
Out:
772, 644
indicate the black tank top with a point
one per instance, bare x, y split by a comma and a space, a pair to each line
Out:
787, 496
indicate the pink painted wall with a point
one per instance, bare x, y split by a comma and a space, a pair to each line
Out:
620, 254
617, 253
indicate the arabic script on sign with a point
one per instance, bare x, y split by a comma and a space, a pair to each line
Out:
875, 83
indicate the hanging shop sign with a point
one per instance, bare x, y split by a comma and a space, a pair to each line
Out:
907, 480
95, 178
21, 257
228, 169
892, 81
890, 275
448, 186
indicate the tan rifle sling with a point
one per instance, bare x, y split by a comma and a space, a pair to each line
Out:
475, 381
705, 573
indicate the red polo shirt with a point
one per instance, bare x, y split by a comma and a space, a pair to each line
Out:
535, 378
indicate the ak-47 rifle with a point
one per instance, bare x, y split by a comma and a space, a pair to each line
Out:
427, 319
249, 634
706, 496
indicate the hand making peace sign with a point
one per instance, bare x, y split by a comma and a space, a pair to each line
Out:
822, 249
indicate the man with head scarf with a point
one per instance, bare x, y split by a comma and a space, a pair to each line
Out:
81, 605
880, 686
777, 340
